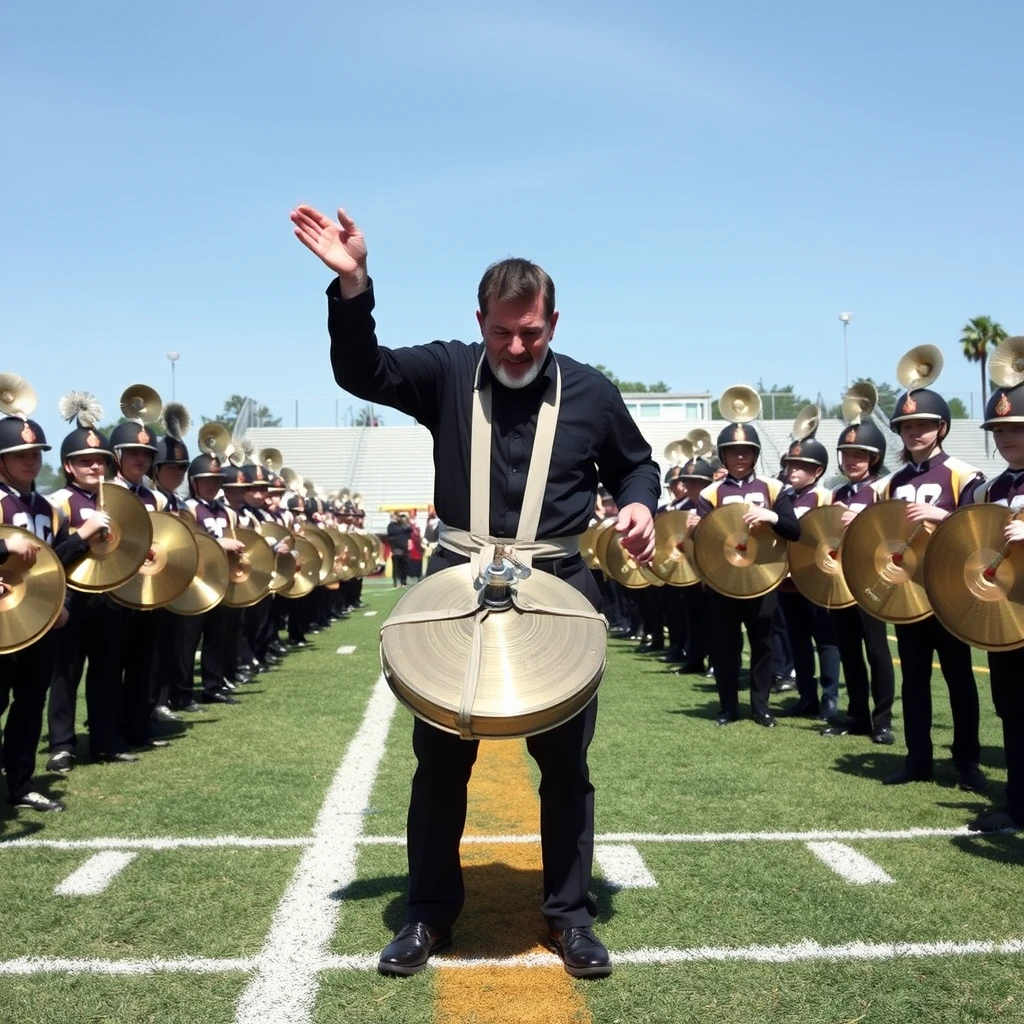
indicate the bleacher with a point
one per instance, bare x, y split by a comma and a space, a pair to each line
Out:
389, 465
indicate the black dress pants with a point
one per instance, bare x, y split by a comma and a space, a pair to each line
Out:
175, 657
696, 607
24, 682
140, 636
858, 634
728, 615
437, 807
810, 629
92, 632
1007, 668
917, 642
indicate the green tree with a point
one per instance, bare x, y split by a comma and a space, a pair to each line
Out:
634, 386
368, 417
978, 336
48, 481
233, 406
957, 409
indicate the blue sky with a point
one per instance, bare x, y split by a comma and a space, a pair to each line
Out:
709, 185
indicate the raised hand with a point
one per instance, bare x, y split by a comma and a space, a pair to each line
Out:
339, 244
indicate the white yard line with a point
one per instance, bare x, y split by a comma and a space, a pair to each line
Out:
623, 867
154, 965
846, 862
367, 615
95, 874
284, 988
345, 649
168, 843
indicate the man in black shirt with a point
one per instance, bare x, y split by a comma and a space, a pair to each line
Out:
448, 386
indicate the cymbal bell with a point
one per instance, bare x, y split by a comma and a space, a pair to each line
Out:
30, 600
975, 580
513, 671
307, 570
250, 572
170, 566
116, 554
670, 563
883, 554
210, 583
814, 561
737, 560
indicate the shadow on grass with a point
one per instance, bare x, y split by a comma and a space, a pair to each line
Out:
873, 764
997, 847
708, 712
501, 916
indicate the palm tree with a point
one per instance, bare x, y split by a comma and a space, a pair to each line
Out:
977, 336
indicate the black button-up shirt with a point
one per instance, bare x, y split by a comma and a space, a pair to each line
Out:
595, 439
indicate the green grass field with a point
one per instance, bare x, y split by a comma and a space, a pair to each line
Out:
282, 871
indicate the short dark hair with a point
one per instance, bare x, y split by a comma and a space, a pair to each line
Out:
515, 279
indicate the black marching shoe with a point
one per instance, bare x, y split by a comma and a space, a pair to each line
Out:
691, 668
121, 757
408, 952
994, 821
582, 952
220, 697
672, 654
783, 684
765, 718
63, 761
725, 718
801, 709
907, 774
37, 802
884, 737
972, 779
192, 708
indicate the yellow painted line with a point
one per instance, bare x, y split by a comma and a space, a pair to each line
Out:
935, 664
504, 891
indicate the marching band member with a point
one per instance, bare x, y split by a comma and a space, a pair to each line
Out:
694, 477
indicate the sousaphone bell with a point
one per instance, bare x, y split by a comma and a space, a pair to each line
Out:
503, 655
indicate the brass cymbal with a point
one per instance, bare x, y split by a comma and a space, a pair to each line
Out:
814, 561
736, 560
115, 555
350, 556
536, 669
210, 583
170, 566
882, 553
606, 531
284, 563
30, 601
669, 563
587, 539
325, 548
249, 573
307, 570
623, 568
975, 580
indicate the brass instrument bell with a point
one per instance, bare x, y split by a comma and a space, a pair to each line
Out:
272, 459
806, 423
1006, 362
919, 367
140, 402
859, 401
679, 452
16, 396
740, 404
213, 439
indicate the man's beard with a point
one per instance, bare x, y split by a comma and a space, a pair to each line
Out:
500, 371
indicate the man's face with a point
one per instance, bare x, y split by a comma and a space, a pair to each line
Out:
86, 470
19, 469
135, 464
739, 459
1009, 438
517, 336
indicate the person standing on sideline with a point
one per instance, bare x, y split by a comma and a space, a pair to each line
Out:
555, 427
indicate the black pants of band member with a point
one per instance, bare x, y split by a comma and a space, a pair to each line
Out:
729, 615
437, 807
399, 568
916, 643
1007, 675
860, 634
24, 682
810, 630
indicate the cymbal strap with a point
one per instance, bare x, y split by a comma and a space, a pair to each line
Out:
471, 679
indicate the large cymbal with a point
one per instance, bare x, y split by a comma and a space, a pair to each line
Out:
735, 560
536, 669
30, 601
210, 584
250, 572
814, 561
307, 570
623, 568
604, 538
882, 553
284, 563
115, 555
975, 580
670, 563
170, 567
324, 545
350, 556
589, 542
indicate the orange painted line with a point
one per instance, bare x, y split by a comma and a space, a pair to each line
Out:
935, 664
501, 918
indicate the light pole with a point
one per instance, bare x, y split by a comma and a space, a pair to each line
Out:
846, 318
173, 357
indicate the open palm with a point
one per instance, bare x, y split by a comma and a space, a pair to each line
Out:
340, 244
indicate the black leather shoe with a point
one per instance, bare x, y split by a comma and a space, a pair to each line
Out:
691, 668
994, 821
905, 775
672, 654
191, 708
884, 737
409, 951
218, 698
801, 709
972, 779
119, 758
782, 684
765, 718
619, 632
829, 711
725, 718
582, 952
37, 802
